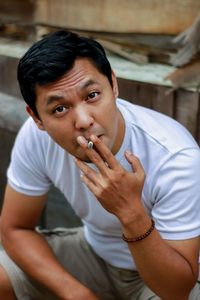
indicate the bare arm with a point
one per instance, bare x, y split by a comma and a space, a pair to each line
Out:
24, 245
167, 267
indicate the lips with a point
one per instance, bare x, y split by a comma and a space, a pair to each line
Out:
90, 144
88, 137
100, 136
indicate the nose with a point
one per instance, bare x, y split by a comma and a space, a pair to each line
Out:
83, 118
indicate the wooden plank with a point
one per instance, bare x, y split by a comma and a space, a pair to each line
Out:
16, 11
197, 136
123, 51
163, 102
144, 16
181, 105
146, 94
128, 90
187, 104
137, 92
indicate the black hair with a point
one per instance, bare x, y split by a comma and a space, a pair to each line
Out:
51, 57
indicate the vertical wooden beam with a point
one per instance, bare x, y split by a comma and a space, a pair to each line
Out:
197, 135
187, 109
163, 102
128, 89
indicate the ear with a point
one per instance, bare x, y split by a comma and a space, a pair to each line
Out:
37, 121
115, 85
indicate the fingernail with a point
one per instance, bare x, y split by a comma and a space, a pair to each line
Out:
93, 138
128, 152
81, 140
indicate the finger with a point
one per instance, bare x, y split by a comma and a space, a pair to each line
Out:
92, 187
88, 172
135, 163
93, 155
105, 152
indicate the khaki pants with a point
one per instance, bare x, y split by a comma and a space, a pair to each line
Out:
74, 253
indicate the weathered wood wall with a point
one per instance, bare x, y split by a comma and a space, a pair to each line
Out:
17, 11
182, 105
142, 16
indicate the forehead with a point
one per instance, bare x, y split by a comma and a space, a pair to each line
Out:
83, 74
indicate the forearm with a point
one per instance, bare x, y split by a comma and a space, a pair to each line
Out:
34, 256
162, 268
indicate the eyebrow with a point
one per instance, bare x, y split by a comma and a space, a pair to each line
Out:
88, 83
54, 98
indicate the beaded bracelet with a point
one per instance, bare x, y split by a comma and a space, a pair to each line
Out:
141, 237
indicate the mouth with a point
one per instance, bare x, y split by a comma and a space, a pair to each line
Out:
90, 144
99, 136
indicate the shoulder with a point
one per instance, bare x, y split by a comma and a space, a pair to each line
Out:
30, 139
155, 129
33, 160
29, 131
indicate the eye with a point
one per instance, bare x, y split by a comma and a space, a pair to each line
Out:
92, 95
60, 110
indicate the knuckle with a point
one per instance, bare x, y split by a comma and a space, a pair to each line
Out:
88, 172
108, 155
95, 157
100, 193
142, 176
119, 174
136, 159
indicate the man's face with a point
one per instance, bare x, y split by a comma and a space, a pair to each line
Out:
81, 103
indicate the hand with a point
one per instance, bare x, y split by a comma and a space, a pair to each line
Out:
118, 190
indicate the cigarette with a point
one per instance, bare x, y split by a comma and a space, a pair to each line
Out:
90, 145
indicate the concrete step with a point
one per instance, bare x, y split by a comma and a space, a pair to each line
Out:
10, 53
8, 75
12, 112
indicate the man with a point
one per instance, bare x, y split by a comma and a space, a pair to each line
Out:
136, 186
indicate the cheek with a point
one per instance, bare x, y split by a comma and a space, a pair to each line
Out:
110, 117
56, 126
108, 111
58, 132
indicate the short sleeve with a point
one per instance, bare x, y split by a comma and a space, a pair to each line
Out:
26, 172
176, 191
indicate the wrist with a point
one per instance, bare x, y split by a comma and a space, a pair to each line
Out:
136, 225
141, 236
